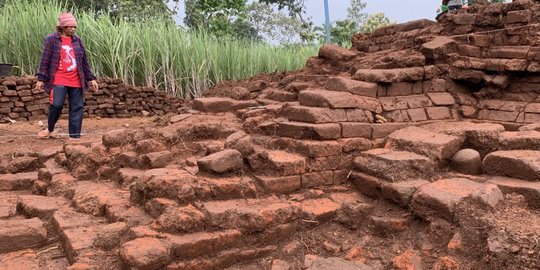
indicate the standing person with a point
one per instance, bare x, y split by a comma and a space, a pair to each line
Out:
64, 70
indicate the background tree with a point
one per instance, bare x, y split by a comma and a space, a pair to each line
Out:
375, 21
354, 12
127, 9
275, 25
220, 17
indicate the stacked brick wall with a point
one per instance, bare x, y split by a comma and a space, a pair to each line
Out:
20, 100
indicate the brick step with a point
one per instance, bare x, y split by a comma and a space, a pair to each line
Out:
345, 84
424, 142
34, 259
278, 95
394, 166
18, 181
520, 164
530, 190
214, 250
229, 226
104, 199
316, 115
217, 104
88, 240
482, 137
183, 187
19, 234
519, 140
276, 163
9, 201
20, 164
444, 198
339, 100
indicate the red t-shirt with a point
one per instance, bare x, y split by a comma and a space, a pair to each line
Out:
67, 73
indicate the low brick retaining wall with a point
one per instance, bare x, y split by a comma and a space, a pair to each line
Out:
20, 100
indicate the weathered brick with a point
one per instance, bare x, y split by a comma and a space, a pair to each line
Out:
438, 113
441, 99
285, 184
314, 115
417, 114
352, 86
324, 98
316, 179
352, 130
299, 130
19, 234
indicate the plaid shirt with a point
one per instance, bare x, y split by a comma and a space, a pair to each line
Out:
51, 58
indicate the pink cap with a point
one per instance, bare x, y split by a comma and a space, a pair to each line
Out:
66, 19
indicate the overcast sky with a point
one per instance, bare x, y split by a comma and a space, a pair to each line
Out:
397, 10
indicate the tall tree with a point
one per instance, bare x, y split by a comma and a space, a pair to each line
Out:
219, 17
128, 9
354, 12
275, 25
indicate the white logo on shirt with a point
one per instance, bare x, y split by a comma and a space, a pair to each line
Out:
69, 58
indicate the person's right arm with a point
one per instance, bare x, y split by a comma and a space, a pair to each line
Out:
43, 72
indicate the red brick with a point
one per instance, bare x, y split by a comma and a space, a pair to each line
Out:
441, 99
356, 144
145, 253
505, 116
397, 116
19, 234
341, 176
366, 184
337, 53
399, 89
383, 130
314, 115
213, 104
319, 164
532, 118
17, 181
41, 206
351, 130
309, 148
329, 99
519, 16
521, 164
196, 244
299, 130
285, 184
417, 114
438, 113
368, 104
277, 163
22, 260
352, 86
320, 209
533, 108
414, 101
317, 179
510, 52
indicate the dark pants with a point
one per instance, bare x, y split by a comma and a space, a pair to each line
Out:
76, 108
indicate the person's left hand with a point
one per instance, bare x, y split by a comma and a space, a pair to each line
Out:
94, 85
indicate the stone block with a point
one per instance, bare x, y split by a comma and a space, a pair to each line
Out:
521, 164
421, 141
393, 165
299, 130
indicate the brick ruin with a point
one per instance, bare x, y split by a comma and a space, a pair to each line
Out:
19, 100
419, 148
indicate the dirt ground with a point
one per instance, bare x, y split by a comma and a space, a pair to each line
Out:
20, 137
